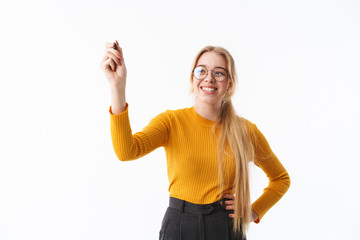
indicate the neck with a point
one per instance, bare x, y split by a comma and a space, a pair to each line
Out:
208, 111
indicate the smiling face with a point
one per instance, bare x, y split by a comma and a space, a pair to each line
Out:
210, 91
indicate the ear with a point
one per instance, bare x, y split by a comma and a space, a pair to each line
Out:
229, 86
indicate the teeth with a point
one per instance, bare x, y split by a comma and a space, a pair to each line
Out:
208, 89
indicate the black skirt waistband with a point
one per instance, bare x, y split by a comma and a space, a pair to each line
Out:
184, 206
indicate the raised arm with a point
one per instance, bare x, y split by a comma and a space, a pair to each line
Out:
128, 146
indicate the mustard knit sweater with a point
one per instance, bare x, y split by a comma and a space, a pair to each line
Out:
191, 154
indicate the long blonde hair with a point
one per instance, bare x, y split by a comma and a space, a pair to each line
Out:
233, 135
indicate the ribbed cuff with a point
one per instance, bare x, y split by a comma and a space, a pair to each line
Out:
126, 109
264, 203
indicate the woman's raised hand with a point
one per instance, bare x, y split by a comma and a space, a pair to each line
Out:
113, 65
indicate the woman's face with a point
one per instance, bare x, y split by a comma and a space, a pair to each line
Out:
209, 90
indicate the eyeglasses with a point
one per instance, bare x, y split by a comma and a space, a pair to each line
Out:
219, 73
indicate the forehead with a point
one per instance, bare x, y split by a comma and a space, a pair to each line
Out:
212, 59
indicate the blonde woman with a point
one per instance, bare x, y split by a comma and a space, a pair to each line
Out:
208, 149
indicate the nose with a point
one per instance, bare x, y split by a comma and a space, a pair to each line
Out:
209, 77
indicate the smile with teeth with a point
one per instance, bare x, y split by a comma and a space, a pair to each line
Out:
208, 89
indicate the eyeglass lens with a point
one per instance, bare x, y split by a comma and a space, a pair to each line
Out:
201, 72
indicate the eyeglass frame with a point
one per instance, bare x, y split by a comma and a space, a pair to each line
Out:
212, 73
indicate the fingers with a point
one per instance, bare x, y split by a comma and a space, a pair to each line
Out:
112, 65
113, 57
115, 52
229, 196
118, 51
229, 204
112, 53
119, 48
113, 60
106, 64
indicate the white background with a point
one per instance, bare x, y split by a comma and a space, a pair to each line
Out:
298, 66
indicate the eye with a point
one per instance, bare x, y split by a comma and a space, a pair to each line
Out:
200, 71
219, 74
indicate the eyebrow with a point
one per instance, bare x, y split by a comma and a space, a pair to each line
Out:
214, 68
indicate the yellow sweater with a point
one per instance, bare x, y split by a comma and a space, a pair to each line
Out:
191, 155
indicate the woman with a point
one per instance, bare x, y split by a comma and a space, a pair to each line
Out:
208, 149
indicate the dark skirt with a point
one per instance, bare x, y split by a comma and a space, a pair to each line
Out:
188, 221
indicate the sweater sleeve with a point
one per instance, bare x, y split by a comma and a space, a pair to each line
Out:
128, 146
279, 180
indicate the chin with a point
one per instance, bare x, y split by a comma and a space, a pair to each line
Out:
208, 100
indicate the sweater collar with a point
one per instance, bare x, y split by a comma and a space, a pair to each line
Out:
201, 119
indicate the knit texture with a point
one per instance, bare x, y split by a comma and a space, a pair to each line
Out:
191, 153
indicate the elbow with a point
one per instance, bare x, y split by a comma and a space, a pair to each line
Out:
122, 159
283, 183
127, 154
124, 156
286, 181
